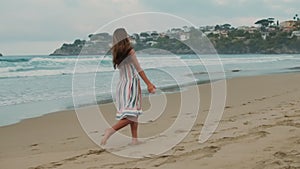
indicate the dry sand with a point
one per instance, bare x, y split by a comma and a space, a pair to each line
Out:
260, 128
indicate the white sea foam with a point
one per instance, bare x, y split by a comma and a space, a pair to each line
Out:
92, 64
46, 82
69, 59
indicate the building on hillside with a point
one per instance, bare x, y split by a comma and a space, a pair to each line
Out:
186, 29
295, 34
163, 35
184, 36
132, 41
135, 36
174, 33
212, 32
206, 28
151, 43
271, 29
154, 35
100, 37
288, 26
248, 29
243, 28
264, 35
223, 33
144, 36
176, 30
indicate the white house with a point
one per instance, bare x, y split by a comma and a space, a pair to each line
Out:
264, 35
132, 41
295, 33
186, 29
287, 25
154, 35
151, 43
184, 36
251, 29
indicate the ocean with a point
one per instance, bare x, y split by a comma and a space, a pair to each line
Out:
32, 86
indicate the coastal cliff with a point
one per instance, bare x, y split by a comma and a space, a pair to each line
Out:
225, 41
97, 44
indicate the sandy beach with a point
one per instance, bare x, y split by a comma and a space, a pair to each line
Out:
260, 129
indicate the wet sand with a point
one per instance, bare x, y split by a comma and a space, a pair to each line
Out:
260, 128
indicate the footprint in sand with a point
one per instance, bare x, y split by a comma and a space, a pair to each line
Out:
268, 148
211, 149
72, 138
290, 158
228, 107
246, 122
199, 125
179, 148
69, 140
280, 154
260, 99
180, 131
33, 145
173, 117
297, 141
232, 120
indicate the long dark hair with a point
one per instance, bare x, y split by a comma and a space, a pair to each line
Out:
121, 46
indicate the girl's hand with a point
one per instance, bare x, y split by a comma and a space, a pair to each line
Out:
151, 88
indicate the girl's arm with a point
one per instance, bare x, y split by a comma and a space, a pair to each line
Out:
150, 86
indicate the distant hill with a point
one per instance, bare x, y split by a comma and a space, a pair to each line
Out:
1, 54
225, 39
97, 44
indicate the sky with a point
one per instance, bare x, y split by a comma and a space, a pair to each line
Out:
38, 27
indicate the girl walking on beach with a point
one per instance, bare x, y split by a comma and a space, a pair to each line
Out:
128, 96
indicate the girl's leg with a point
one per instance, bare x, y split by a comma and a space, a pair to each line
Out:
110, 131
134, 130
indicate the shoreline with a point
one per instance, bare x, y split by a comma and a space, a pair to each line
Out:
179, 54
168, 90
47, 55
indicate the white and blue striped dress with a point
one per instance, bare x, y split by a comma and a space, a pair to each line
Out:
129, 95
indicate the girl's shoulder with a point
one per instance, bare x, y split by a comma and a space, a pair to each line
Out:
131, 52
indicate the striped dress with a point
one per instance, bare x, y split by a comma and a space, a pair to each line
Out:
128, 94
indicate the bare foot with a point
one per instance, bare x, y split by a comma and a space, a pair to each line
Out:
135, 141
107, 134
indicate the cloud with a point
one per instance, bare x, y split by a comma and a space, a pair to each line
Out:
29, 47
44, 21
33, 20
220, 11
229, 2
